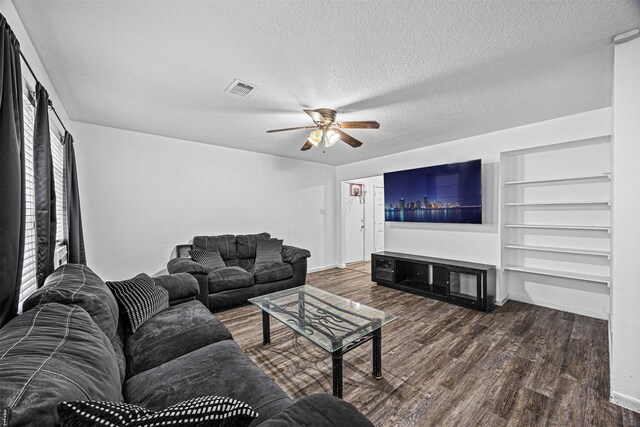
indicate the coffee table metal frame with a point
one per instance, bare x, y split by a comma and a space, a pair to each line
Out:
341, 326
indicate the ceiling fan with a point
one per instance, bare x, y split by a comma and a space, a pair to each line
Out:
327, 131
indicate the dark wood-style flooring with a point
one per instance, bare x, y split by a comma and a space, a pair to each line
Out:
445, 365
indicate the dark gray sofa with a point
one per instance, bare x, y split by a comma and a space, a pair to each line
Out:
70, 345
241, 279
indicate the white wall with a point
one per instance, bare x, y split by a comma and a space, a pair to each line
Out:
476, 243
625, 290
143, 194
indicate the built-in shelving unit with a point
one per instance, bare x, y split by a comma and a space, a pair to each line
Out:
556, 224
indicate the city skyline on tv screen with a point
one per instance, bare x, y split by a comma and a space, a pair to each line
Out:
450, 193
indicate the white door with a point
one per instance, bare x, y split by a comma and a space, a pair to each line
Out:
353, 227
378, 219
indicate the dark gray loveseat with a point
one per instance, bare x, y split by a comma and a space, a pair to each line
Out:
241, 279
69, 345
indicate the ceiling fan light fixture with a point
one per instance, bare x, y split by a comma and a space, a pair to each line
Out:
327, 132
331, 137
315, 137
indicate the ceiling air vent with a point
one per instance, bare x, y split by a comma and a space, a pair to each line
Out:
240, 88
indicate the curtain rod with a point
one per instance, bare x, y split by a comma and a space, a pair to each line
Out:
37, 81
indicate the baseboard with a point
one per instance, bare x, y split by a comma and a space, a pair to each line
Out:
326, 267
502, 301
625, 401
527, 299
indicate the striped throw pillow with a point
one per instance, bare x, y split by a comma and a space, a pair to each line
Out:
139, 299
99, 413
268, 251
200, 411
209, 259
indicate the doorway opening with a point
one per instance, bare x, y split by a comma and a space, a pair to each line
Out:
362, 219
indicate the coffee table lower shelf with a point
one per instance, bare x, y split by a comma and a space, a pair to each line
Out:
375, 336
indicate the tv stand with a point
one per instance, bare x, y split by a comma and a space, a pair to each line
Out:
463, 283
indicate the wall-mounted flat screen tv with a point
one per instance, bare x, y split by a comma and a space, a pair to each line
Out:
445, 193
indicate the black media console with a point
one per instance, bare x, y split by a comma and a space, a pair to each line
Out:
463, 283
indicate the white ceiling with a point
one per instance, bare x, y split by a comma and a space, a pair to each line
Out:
428, 71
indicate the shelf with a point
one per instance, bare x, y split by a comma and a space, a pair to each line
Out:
603, 177
425, 287
564, 274
560, 227
583, 203
606, 254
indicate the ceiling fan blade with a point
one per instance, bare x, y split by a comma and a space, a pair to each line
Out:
360, 125
282, 130
315, 116
348, 139
307, 145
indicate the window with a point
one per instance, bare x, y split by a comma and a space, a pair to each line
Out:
57, 153
29, 283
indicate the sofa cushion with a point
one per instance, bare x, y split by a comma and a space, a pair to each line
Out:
210, 259
225, 244
139, 299
245, 263
220, 369
118, 347
269, 251
170, 334
181, 286
228, 278
265, 273
247, 244
77, 284
51, 353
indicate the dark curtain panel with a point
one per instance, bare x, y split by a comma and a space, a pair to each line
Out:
45, 192
74, 236
12, 200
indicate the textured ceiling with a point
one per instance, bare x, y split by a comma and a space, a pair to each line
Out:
428, 71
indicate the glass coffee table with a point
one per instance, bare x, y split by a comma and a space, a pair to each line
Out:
335, 324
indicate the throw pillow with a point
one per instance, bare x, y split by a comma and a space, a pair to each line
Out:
139, 299
209, 259
98, 413
268, 251
200, 411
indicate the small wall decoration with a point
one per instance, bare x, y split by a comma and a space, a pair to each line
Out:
355, 189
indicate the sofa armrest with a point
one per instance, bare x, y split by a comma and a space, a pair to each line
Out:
186, 265
291, 254
319, 410
182, 287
